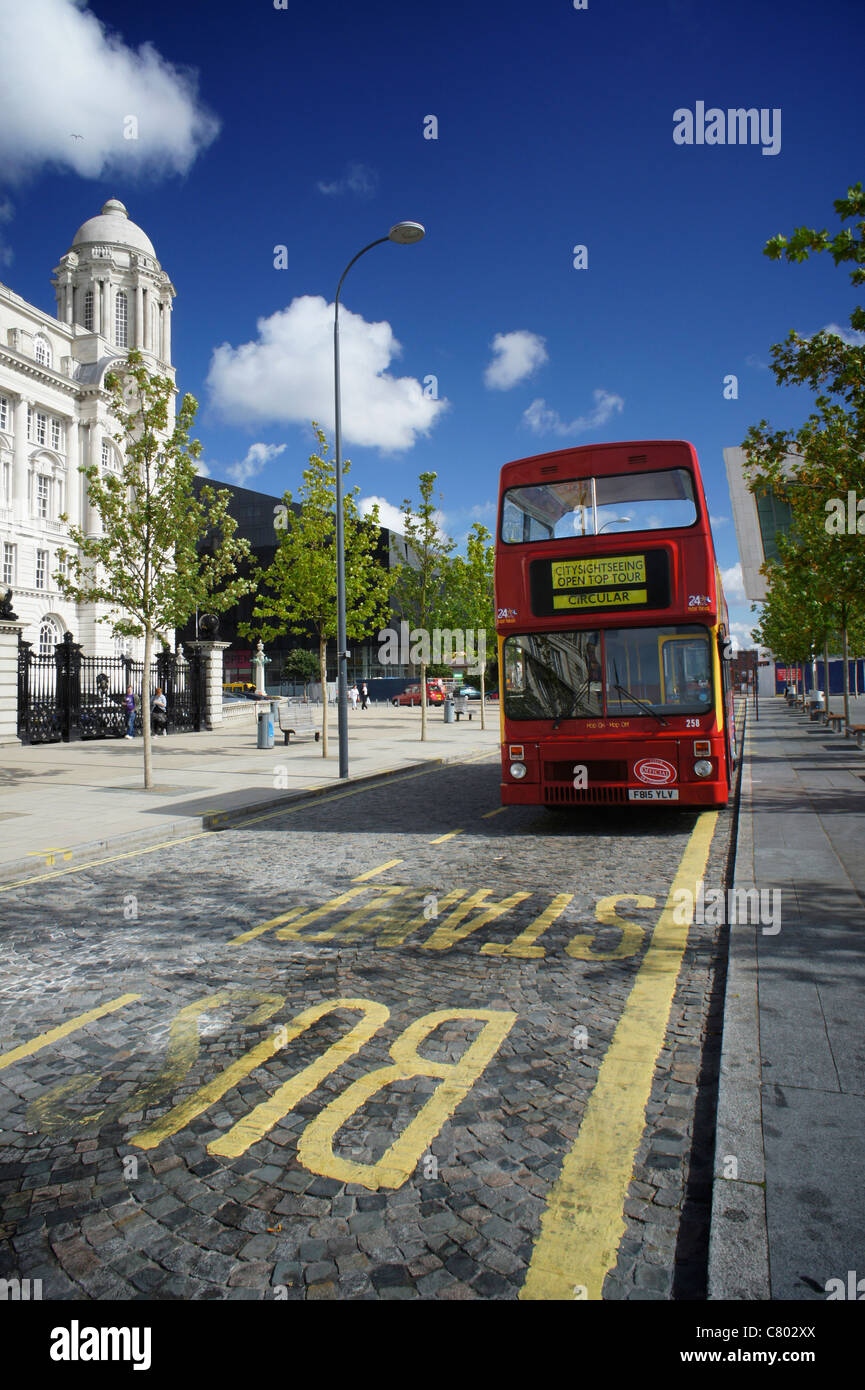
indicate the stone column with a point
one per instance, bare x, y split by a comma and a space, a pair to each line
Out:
19, 460
166, 330
93, 525
211, 660
73, 477
138, 330
9, 634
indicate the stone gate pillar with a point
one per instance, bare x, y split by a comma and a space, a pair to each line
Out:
9, 634
211, 680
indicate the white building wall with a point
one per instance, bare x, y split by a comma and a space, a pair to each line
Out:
65, 403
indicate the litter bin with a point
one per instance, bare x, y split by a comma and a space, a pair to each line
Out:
265, 728
449, 710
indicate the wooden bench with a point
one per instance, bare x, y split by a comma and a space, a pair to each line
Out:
856, 731
836, 721
298, 719
461, 706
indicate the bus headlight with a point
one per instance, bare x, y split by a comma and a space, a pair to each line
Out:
703, 768
517, 770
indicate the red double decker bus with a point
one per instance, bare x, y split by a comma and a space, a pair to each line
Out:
612, 630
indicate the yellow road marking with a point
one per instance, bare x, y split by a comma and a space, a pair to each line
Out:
294, 913
55, 1034
523, 945
487, 815
584, 1221
371, 873
580, 946
259, 1121
449, 931
440, 839
398, 1162
202, 834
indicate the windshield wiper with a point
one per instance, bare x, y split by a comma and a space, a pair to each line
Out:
642, 704
574, 705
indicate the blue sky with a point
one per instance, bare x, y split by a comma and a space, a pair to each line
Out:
304, 128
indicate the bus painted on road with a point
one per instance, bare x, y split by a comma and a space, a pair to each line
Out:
612, 631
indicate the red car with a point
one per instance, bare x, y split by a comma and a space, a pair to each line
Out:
435, 694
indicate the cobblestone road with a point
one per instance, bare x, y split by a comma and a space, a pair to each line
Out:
347, 1052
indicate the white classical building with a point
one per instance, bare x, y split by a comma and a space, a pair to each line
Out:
112, 295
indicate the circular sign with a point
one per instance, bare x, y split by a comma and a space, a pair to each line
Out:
655, 770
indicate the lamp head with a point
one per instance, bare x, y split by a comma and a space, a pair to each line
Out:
406, 233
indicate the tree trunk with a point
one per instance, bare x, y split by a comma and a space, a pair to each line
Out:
322, 671
826, 673
145, 710
483, 695
423, 701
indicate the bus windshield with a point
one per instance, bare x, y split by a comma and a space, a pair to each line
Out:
633, 672
649, 501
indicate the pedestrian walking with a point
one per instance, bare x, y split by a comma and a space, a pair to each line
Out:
129, 706
353, 696
159, 712
364, 695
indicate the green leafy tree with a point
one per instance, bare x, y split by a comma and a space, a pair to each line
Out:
468, 597
301, 665
418, 591
144, 563
298, 590
828, 450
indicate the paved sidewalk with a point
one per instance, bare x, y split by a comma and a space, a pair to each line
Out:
60, 801
788, 1213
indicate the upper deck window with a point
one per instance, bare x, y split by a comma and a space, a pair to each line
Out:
594, 506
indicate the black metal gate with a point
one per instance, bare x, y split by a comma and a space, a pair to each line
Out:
67, 696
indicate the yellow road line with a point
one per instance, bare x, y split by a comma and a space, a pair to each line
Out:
488, 815
55, 1034
201, 834
584, 1220
371, 873
440, 839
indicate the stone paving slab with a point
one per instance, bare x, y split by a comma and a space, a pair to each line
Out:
788, 1218
61, 802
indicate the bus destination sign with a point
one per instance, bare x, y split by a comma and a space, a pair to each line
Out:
600, 583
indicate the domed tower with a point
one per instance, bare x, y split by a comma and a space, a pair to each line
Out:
112, 289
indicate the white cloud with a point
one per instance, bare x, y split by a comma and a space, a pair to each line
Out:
719, 520
847, 335
286, 376
734, 585
515, 356
388, 515
358, 179
740, 634
257, 456
67, 75
393, 517
540, 418
202, 469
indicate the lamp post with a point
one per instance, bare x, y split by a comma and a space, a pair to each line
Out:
404, 234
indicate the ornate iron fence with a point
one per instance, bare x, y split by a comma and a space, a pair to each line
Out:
68, 696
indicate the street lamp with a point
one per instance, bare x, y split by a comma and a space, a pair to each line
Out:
613, 520
404, 234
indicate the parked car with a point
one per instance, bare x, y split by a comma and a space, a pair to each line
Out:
469, 692
435, 694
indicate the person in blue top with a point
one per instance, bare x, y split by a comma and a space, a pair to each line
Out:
129, 706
